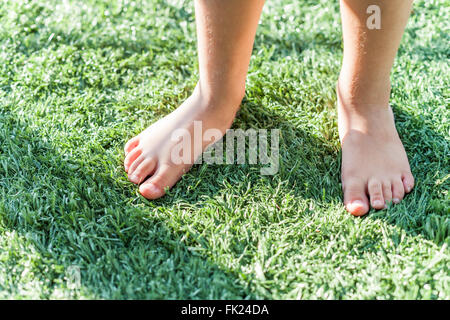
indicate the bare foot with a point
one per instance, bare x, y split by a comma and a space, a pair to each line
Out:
148, 156
374, 162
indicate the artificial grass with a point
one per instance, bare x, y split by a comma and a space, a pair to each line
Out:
79, 78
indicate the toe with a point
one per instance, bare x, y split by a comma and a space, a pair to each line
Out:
387, 191
130, 145
138, 173
375, 189
135, 164
151, 191
131, 157
355, 199
165, 177
398, 191
408, 182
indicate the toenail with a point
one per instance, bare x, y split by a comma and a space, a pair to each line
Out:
396, 200
134, 178
151, 188
377, 203
356, 203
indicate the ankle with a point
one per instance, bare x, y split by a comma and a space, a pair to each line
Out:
220, 107
357, 93
222, 97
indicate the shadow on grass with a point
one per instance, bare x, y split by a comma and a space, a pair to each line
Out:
83, 212
310, 169
78, 213
87, 214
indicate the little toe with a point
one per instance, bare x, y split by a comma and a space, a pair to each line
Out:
131, 144
375, 189
131, 157
140, 172
408, 182
398, 191
355, 199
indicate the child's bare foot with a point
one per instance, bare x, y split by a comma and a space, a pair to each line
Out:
149, 154
374, 162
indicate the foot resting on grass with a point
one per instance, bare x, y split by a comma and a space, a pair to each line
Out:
148, 156
375, 169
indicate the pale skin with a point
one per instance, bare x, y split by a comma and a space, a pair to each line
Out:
375, 169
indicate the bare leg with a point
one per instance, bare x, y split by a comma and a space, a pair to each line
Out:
374, 162
225, 31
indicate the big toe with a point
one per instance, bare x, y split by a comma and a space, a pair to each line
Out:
164, 178
151, 191
355, 199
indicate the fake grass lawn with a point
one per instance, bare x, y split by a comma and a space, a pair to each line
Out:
79, 78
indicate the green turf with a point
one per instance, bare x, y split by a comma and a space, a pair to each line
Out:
79, 78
